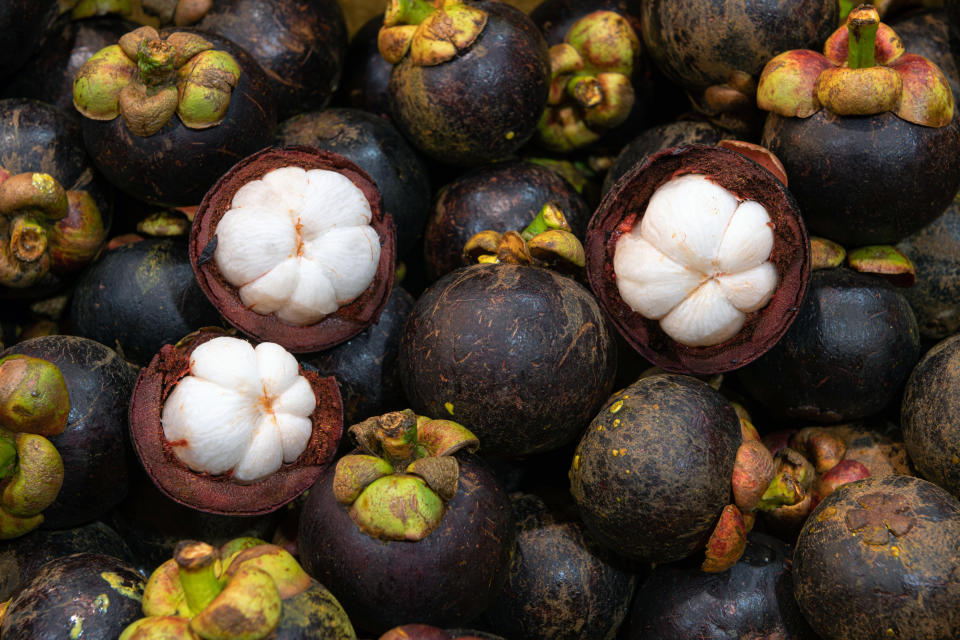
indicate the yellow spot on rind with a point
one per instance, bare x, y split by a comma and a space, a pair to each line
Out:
616, 406
449, 407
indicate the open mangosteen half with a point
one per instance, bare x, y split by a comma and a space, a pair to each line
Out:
700, 257
226, 428
292, 246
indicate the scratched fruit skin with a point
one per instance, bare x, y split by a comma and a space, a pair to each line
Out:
652, 472
85, 595
878, 559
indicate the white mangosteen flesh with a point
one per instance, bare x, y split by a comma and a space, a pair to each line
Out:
240, 408
298, 244
699, 261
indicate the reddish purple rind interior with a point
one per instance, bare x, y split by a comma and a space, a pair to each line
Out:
338, 327
220, 494
625, 205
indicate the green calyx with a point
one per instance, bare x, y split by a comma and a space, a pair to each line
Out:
548, 241
398, 486
33, 396
147, 79
591, 91
863, 71
431, 33
885, 261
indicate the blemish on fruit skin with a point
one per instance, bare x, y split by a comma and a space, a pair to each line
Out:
616, 422
955, 460
576, 462
614, 453
449, 407
510, 135
601, 428
616, 406
827, 513
101, 603
895, 552
76, 628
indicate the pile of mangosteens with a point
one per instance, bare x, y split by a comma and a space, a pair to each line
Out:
479, 319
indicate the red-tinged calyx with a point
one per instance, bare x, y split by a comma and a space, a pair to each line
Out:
727, 542
431, 33
864, 71
820, 447
147, 79
591, 89
842, 473
398, 486
826, 254
753, 470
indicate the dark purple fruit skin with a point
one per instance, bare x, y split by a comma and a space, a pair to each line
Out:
314, 614
521, 356
176, 165
866, 179
678, 437
139, 297
22, 557
503, 197
95, 593
561, 585
657, 139
378, 148
448, 578
935, 296
925, 32
366, 75
366, 366
754, 599
850, 588
484, 104
930, 415
95, 445
24, 24
48, 74
301, 45
845, 357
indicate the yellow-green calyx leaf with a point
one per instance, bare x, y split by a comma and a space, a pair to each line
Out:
287, 574
885, 261
159, 628
430, 34
864, 71
248, 608
591, 90
33, 396
354, 473
147, 78
398, 507
37, 479
727, 542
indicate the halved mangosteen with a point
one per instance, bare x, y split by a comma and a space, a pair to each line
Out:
292, 246
226, 428
700, 257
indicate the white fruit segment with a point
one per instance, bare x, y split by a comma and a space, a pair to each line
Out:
241, 408
699, 261
298, 244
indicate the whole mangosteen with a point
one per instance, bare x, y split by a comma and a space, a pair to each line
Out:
292, 246
846, 357
470, 79
228, 428
410, 526
700, 257
167, 113
652, 472
878, 558
520, 355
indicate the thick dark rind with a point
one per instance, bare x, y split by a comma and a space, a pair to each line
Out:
908, 583
338, 327
652, 472
448, 578
624, 206
220, 494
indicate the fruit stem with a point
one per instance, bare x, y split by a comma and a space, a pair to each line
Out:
549, 217
196, 561
398, 438
407, 12
155, 59
8, 457
862, 24
28, 239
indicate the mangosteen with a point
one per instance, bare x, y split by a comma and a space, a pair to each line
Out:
700, 257
366, 75
934, 251
191, 102
864, 103
224, 427
652, 472
878, 558
716, 50
80, 595
561, 585
410, 526
94, 444
48, 74
20, 559
752, 600
377, 148
301, 45
470, 78
366, 367
521, 355
929, 416
846, 357
25, 23
502, 197
139, 297
292, 246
